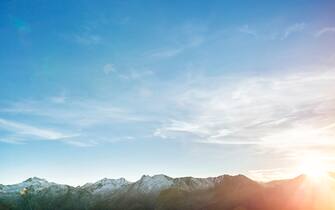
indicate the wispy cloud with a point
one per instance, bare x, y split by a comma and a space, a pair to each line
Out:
22, 130
79, 112
297, 27
87, 39
247, 30
109, 68
132, 74
188, 36
166, 53
58, 99
273, 112
84, 118
136, 74
326, 30
177, 50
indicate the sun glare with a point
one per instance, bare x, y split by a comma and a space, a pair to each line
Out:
313, 168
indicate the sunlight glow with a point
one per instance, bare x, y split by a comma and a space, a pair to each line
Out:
313, 167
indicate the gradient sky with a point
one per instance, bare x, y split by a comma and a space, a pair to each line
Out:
94, 89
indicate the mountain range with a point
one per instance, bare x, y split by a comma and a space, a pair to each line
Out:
161, 192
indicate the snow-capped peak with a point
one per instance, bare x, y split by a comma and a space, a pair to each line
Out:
191, 183
33, 183
153, 183
106, 185
35, 180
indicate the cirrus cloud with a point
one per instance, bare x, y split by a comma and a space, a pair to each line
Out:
290, 113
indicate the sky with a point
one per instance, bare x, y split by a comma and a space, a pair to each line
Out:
94, 89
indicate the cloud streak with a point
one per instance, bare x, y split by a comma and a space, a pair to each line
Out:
79, 113
22, 130
293, 29
324, 31
247, 30
129, 75
273, 112
84, 118
87, 39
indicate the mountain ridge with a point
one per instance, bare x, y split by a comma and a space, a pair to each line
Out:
144, 178
161, 192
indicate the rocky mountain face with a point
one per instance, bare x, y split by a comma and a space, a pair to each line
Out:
161, 192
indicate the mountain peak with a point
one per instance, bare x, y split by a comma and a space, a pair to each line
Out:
157, 176
120, 180
34, 183
35, 179
106, 185
153, 183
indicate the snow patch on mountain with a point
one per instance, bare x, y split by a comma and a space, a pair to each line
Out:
190, 183
106, 185
148, 184
34, 183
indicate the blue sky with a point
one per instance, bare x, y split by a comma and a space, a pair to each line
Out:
93, 89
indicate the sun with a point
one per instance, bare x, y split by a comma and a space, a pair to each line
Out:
313, 167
